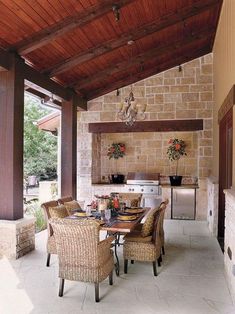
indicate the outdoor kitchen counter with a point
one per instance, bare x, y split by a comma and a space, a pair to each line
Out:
182, 186
108, 184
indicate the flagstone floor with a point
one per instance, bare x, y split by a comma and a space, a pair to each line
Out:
190, 281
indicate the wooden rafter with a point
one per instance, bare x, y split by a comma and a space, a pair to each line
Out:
149, 71
141, 58
51, 33
164, 22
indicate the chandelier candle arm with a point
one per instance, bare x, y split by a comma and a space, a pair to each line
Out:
130, 111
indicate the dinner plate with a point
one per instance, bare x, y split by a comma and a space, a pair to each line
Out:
134, 211
80, 214
127, 218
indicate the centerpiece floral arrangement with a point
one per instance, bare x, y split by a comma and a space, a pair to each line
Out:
175, 151
116, 150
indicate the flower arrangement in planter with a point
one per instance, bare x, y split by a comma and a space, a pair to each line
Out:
116, 151
174, 152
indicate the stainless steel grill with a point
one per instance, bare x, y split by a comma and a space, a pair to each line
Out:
147, 184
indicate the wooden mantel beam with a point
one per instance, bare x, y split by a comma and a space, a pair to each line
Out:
147, 126
148, 72
51, 33
158, 25
141, 58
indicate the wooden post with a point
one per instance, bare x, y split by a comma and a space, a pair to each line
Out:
11, 141
69, 148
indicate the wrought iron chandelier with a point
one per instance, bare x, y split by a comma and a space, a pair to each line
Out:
130, 111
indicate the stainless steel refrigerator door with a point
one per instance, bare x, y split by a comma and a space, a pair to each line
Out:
183, 203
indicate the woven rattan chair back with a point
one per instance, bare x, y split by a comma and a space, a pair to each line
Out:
76, 241
62, 200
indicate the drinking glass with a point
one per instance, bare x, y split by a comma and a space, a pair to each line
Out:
107, 214
88, 210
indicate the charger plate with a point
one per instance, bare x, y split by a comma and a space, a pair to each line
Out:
134, 211
126, 217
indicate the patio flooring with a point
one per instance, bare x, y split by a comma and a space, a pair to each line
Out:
190, 281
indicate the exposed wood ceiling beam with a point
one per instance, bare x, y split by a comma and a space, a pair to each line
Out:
141, 58
32, 75
43, 81
42, 96
51, 33
149, 72
164, 22
147, 126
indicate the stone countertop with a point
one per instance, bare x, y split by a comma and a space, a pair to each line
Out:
182, 186
108, 184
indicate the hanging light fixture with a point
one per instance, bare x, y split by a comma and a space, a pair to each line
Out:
130, 111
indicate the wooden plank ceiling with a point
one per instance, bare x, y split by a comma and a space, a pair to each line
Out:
80, 44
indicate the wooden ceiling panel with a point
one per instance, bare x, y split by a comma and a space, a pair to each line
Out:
80, 44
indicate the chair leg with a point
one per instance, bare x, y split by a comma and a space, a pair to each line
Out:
154, 268
61, 289
163, 250
111, 278
125, 265
97, 298
159, 262
48, 259
132, 261
160, 258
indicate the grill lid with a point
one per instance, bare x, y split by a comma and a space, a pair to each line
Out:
143, 178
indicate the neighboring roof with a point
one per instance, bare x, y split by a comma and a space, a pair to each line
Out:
81, 45
49, 122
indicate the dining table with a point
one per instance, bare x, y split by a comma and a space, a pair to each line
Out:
115, 227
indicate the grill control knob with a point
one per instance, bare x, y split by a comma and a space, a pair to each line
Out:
151, 190
142, 190
129, 190
133, 190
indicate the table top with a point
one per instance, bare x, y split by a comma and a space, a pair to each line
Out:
114, 225
123, 226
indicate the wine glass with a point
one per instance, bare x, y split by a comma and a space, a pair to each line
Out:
107, 214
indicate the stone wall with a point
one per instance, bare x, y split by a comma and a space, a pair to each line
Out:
17, 237
229, 240
173, 94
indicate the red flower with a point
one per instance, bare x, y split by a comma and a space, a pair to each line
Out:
177, 146
122, 149
170, 141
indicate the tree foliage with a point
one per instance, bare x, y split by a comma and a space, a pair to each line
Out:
40, 147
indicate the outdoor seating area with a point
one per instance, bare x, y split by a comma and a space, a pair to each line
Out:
117, 180
190, 280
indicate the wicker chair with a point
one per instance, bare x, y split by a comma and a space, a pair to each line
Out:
134, 198
162, 233
138, 248
62, 200
138, 227
82, 257
51, 246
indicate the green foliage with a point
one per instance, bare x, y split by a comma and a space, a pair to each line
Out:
116, 150
40, 147
176, 149
33, 208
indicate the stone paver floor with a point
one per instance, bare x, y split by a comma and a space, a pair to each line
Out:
190, 281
